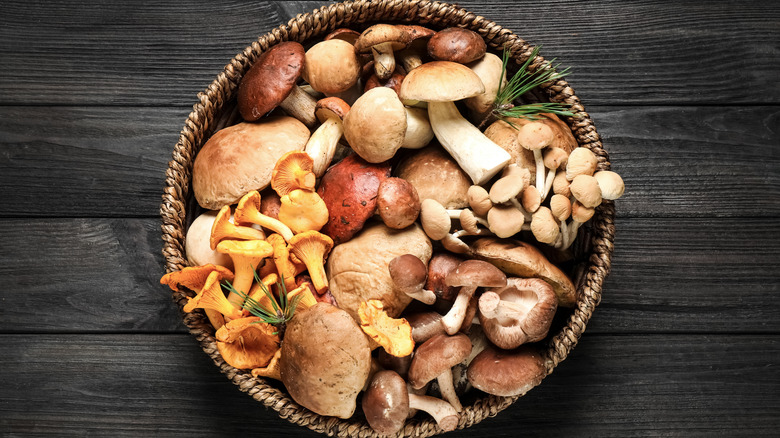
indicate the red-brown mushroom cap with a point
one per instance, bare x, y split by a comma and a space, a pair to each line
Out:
507, 373
439, 267
331, 107
270, 80
382, 34
386, 402
476, 273
397, 203
343, 34
437, 355
409, 274
457, 45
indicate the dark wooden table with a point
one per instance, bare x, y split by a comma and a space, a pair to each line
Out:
686, 341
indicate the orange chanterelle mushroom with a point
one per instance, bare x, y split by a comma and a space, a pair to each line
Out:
247, 343
211, 297
394, 335
311, 248
195, 278
294, 170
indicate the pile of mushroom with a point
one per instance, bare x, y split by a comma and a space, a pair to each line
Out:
361, 192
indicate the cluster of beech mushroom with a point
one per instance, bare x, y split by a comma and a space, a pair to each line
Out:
366, 243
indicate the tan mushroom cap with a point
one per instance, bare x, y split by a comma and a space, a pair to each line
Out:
554, 157
560, 206
330, 107
611, 184
376, 125
344, 34
479, 200
505, 220
197, 243
507, 373
580, 213
436, 175
437, 355
561, 184
270, 80
331, 66
476, 273
585, 189
456, 44
468, 221
441, 81
535, 136
396, 36
241, 158
582, 161
544, 226
489, 69
531, 199
507, 187
434, 219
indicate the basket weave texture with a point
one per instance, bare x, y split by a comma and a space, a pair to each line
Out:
216, 108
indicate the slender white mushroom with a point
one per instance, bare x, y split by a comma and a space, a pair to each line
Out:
322, 144
535, 136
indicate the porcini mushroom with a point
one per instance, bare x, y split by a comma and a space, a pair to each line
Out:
382, 40
507, 373
409, 275
436, 175
331, 66
303, 210
469, 275
292, 171
322, 144
211, 297
411, 56
440, 83
246, 255
387, 402
223, 228
397, 203
248, 211
376, 125
456, 44
490, 70
519, 312
434, 359
312, 248
535, 136
271, 81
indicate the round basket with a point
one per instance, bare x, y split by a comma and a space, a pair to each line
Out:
216, 109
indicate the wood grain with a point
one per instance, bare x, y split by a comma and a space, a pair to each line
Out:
137, 53
621, 386
110, 162
668, 276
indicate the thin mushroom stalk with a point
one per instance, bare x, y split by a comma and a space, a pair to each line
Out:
322, 144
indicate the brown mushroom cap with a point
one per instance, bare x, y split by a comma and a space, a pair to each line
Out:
377, 34
507, 373
408, 272
476, 273
331, 66
457, 45
343, 34
425, 325
393, 82
560, 206
441, 81
270, 80
435, 175
437, 355
330, 107
325, 360
479, 200
376, 125
535, 136
518, 313
241, 158
397, 203
386, 402
441, 264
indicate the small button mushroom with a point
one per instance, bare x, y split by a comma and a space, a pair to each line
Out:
246, 255
387, 402
507, 373
331, 66
469, 275
585, 189
544, 227
610, 183
435, 175
536, 136
518, 313
582, 161
579, 215
409, 274
241, 157
554, 159
303, 210
479, 200
434, 359
382, 40
434, 219
397, 203
441, 264
530, 199
322, 144
456, 44
312, 248
561, 184
349, 189
440, 83
376, 125
505, 220
271, 81
292, 171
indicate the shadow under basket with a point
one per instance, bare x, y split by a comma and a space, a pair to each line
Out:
216, 109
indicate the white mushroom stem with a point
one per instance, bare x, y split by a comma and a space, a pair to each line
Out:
321, 146
519, 206
480, 232
418, 129
548, 182
447, 389
445, 415
539, 170
454, 318
301, 105
424, 295
453, 214
384, 60
572, 234
476, 154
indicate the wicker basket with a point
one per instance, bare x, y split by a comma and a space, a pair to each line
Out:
216, 109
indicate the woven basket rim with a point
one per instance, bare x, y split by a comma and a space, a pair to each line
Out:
204, 120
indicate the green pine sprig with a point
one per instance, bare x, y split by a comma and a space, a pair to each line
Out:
522, 82
281, 311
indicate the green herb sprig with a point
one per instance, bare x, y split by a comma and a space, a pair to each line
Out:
281, 311
522, 82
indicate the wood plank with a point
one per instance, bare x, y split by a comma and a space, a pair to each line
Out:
668, 276
110, 162
87, 53
125, 385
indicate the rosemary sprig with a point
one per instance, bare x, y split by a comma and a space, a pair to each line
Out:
281, 311
521, 83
